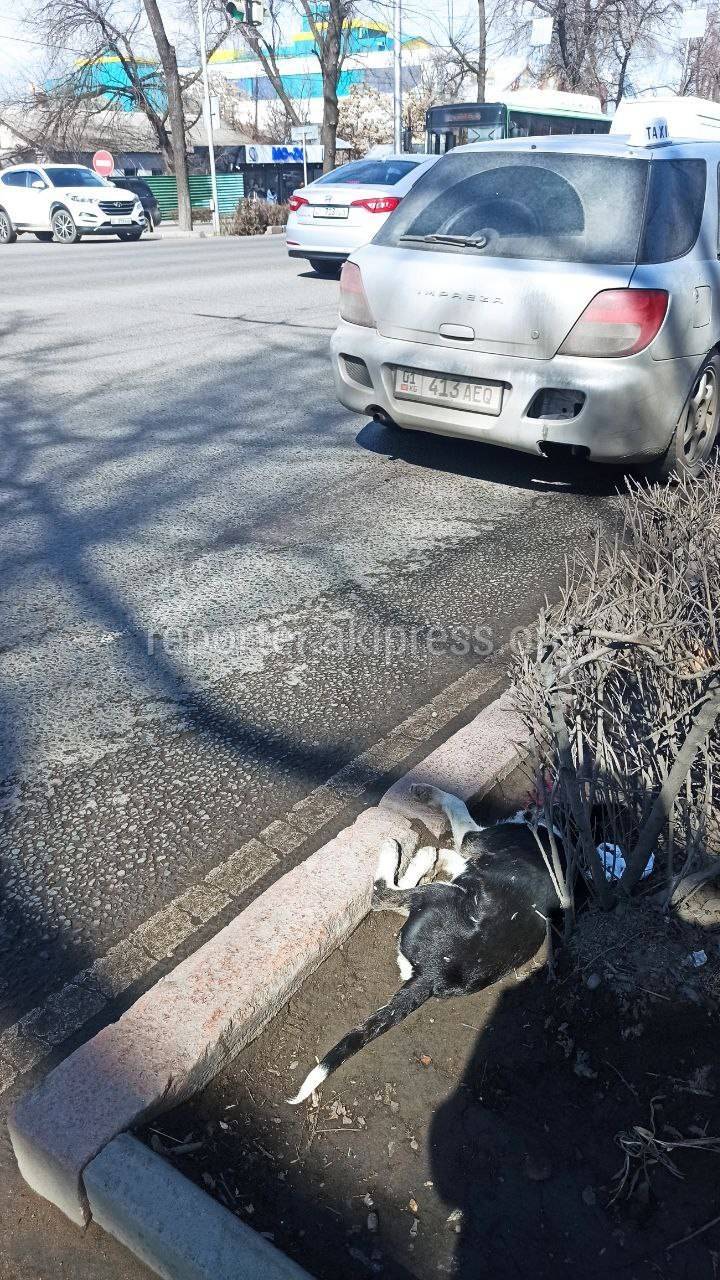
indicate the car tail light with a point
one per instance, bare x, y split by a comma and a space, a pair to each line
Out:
377, 204
618, 322
354, 306
297, 202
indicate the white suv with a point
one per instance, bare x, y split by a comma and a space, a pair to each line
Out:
64, 202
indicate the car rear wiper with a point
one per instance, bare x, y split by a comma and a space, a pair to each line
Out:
478, 242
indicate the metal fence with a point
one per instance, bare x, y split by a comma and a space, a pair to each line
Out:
231, 188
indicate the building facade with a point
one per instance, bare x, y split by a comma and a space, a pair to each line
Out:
369, 62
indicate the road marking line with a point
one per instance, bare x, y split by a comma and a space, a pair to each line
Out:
64, 1012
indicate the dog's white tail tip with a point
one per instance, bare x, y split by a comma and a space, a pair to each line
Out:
317, 1076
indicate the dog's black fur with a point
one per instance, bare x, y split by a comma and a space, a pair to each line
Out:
460, 935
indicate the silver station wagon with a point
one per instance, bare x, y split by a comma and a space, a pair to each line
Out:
555, 295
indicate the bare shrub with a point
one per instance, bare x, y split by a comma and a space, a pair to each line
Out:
253, 217
622, 691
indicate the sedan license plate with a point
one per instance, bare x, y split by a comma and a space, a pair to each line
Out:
330, 211
457, 393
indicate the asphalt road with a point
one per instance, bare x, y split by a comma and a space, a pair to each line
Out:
217, 586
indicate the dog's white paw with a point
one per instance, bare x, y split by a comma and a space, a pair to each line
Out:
419, 865
388, 860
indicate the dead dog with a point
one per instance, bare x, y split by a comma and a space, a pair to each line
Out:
462, 934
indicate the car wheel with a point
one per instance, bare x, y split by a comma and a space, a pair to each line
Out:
44, 236
697, 431
64, 229
129, 235
8, 234
322, 268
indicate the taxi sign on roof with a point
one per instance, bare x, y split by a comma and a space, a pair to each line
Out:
655, 130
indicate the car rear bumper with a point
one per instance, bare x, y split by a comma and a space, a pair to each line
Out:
322, 255
323, 238
629, 408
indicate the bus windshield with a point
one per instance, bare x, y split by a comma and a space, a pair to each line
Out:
454, 126
457, 124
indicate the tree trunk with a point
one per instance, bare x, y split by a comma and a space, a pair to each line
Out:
482, 51
176, 114
621, 77
330, 122
330, 63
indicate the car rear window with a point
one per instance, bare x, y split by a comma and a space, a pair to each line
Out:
523, 204
674, 209
374, 173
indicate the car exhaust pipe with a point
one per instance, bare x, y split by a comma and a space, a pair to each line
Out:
380, 416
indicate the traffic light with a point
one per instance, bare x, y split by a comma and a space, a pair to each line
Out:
251, 12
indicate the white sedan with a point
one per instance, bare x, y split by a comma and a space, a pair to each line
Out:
342, 210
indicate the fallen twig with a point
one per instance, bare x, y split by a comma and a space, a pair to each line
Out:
706, 1227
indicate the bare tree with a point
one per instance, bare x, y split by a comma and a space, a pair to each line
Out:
594, 42
469, 44
331, 34
265, 48
176, 113
133, 33
700, 61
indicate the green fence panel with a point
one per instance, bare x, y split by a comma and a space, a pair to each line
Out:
231, 188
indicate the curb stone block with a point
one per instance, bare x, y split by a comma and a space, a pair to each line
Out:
178, 1035
467, 764
174, 1226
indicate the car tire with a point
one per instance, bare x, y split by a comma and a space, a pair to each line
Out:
63, 226
129, 235
44, 236
8, 234
330, 270
696, 434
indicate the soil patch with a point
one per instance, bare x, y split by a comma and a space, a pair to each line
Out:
486, 1137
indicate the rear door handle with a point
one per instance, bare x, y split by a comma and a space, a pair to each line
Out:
462, 332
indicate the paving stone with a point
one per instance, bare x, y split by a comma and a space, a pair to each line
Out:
20, 1045
281, 837
243, 869
202, 902
66, 1011
318, 808
7, 1075
119, 969
163, 933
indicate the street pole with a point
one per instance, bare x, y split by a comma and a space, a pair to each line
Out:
305, 157
397, 75
208, 119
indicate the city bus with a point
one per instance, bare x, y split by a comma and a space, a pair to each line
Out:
529, 114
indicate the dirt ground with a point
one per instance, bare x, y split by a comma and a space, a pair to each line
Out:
480, 1137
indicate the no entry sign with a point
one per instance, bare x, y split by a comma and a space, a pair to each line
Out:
103, 163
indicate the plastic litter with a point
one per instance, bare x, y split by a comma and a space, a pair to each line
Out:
698, 958
613, 860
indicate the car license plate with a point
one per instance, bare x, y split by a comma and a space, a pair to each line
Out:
458, 393
122, 219
330, 211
